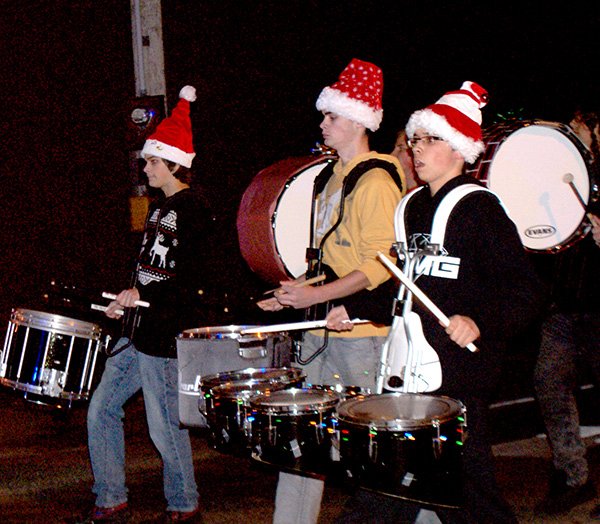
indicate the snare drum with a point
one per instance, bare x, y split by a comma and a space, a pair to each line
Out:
292, 429
406, 445
273, 220
528, 165
50, 356
209, 350
226, 397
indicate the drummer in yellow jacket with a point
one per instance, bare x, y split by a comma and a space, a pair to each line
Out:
353, 220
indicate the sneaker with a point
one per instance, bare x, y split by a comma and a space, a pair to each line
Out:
115, 515
595, 513
185, 516
561, 499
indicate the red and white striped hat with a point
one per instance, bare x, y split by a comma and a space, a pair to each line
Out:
456, 117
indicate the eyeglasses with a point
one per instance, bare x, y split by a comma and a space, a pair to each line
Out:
427, 140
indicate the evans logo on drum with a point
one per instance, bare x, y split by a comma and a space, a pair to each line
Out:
540, 231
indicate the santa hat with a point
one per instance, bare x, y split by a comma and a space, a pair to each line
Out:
356, 95
456, 117
172, 139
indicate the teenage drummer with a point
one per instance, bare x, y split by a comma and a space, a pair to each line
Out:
166, 277
480, 278
351, 107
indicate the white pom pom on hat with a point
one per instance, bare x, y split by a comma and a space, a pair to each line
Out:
172, 139
455, 117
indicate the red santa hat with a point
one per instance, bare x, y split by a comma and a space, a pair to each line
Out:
172, 139
356, 95
456, 117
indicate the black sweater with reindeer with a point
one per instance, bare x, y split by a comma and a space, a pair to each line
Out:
169, 270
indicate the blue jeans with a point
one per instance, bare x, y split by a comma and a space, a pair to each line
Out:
125, 373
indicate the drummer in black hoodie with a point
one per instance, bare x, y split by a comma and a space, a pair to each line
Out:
481, 279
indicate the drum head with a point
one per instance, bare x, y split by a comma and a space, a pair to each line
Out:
529, 171
398, 411
223, 333
249, 377
295, 400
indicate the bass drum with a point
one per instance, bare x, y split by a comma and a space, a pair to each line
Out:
273, 220
540, 171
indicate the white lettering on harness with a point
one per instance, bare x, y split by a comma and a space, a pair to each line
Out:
438, 266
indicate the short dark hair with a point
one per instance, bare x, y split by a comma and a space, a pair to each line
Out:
181, 173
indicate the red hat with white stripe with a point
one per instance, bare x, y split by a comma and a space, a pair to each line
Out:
356, 95
456, 117
172, 139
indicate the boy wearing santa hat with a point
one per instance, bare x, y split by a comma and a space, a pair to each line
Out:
144, 358
348, 247
480, 278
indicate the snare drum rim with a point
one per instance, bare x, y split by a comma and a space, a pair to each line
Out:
54, 323
290, 374
231, 332
343, 417
264, 404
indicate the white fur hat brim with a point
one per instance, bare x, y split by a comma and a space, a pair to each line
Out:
334, 101
437, 125
162, 150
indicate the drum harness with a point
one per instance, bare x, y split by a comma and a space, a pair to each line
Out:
406, 378
314, 256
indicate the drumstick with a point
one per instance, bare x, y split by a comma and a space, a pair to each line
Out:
310, 324
412, 287
104, 308
304, 283
568, 179
111, 296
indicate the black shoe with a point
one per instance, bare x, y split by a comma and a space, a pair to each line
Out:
561, 499
595, 513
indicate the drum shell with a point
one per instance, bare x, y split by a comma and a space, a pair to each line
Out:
209, 350
294, 434
226, 398
50, 357
273, 243
417, 459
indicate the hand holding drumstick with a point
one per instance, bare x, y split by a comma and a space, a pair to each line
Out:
126, 298
273, 304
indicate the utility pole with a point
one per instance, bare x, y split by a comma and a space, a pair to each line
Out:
149, 105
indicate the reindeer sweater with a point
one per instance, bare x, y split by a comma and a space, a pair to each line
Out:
169, 270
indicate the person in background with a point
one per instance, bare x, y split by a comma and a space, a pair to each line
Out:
350, 106
402, 152
492, 294
570, 339
167, 277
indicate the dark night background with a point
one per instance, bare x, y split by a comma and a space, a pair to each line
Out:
258, 66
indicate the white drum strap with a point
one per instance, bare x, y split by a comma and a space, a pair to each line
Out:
440, 219
399, 224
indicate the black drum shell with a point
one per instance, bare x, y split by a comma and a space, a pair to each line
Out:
405, 457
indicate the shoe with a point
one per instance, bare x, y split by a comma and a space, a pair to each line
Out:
185, 516
562, 498
595, 513
115, 515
